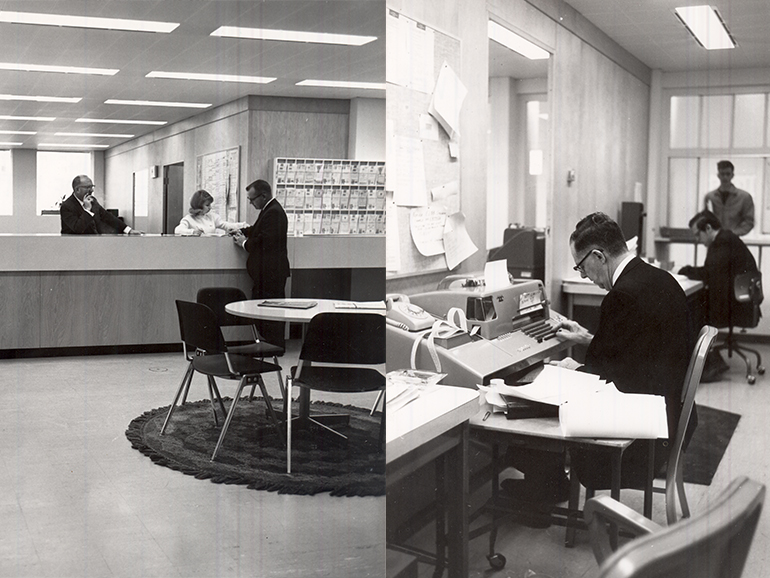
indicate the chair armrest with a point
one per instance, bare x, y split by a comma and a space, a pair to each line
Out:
600, 511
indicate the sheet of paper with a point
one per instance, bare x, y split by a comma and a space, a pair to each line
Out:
411, 53
496, 274
615, 415
427, 227
447, 194
409, 188
556, 385
447, 100
458, 244
428, 127
392, 249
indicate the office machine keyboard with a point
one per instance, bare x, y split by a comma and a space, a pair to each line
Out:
539, 331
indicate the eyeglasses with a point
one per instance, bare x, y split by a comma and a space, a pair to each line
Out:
579, 266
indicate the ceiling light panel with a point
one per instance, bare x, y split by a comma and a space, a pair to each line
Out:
706, 25
67, 99
37, 118
93, 134
73, 146
514, 42
211, 77
122, 121
343, 84
10, 144
87, 22
292, 36
61, 69
156, 103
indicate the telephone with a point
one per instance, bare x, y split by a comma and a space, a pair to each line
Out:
401, 313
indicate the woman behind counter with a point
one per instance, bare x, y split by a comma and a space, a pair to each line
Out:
201, 221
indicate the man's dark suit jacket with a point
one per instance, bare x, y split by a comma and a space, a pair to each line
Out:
75, 220
643, 345
727, 257
268, 261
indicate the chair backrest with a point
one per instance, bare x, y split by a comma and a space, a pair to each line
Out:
199, 328
712, 544
747, 290
215, 298
346, 338
703, 344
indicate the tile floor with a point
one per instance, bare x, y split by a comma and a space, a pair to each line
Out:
77, 501
534, 553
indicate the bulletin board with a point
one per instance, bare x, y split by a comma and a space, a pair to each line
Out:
404, 108
217, 173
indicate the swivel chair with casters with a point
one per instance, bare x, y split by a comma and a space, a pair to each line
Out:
201, 334
349, 345
712, 544
747, 288
215, 298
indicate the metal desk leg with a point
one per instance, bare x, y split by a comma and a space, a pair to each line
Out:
615, 494
495, 497
458, 486
573, 509
441, 507
650, 478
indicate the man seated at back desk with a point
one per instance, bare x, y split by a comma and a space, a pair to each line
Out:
81, 214
642, 345
727, 257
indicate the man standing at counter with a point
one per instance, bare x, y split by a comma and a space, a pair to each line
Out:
268, 261
81, 214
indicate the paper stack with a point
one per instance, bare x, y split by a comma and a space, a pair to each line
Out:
403, 386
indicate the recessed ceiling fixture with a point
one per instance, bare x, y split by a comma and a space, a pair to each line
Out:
10, 144
18, 132
63, 69
157, 103
38, 118
343, 84
706, 25
122, 121
292, 36
87, 22
514, 42
73, 146
69, 99
93, 134
213, 77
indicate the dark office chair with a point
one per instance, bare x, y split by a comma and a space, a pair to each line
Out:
674, 486
215, 298
713, 544
747, 288
344, 343
202, 335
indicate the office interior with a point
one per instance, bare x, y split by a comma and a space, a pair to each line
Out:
90, 336
627, 110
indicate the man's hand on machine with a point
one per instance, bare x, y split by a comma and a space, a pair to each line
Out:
573, 331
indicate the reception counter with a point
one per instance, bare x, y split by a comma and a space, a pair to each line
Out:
62, 291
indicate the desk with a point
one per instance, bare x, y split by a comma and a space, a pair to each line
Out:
545, 434
430, 428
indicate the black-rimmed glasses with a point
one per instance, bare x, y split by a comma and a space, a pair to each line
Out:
579, 266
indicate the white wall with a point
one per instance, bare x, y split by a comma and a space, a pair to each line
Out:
367, 129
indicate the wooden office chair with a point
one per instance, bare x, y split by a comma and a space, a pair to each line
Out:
202, 335
674, 467
713, 544
747, 288
215, 298
344, 343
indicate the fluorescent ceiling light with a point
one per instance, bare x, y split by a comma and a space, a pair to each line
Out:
10, 144
157, 103
63, 69
38, 118
122, 121
343, 84
292, 36
706, 25
70, 99
214, 77
75, 146
93, 134
514, 42
18, 132
87, 22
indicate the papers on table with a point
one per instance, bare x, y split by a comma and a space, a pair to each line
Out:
589, 406
403, 386
373, 305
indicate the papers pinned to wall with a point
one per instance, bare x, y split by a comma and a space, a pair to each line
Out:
458, 244
448, 97
427, 227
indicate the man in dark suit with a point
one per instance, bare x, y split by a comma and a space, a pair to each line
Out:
643, 345
727, 257
268, 262
81, 214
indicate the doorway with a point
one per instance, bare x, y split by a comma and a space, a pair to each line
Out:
173, 196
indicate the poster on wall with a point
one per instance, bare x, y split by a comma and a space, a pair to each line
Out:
217, 173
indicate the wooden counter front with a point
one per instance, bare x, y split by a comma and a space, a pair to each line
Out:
115, 290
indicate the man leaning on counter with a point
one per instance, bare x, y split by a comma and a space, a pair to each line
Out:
81, 213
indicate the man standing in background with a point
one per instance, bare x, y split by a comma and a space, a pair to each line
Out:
732, 206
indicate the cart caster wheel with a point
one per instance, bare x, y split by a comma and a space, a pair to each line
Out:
497, 561
761, 370
752, 380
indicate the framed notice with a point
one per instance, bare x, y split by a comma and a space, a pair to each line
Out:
217, 173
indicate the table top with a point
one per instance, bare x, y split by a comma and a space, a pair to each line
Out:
580, 286
539, 427
254, 310
438, 409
